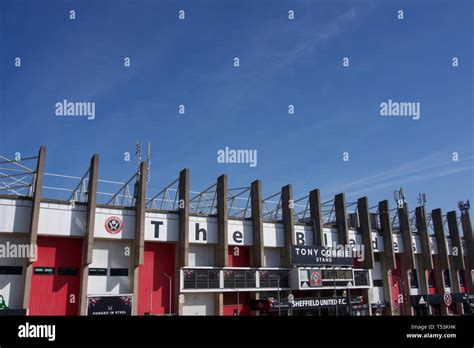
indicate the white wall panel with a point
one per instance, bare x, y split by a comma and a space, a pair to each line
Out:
449, 245
377, 271
434, 245
110, 254
203, 230
127, 218
273, 235
239, 232
198, 304
201, 255
330, 236
304, 233
416, 243
377, 242
377, 295
62, 220
397, 243
161, 227
15, 215
355, 237
271, 257
12, 285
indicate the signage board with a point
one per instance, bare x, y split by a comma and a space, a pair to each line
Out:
319, 302
302, 255
109, 305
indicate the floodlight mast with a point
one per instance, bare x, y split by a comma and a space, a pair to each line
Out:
138, 156
421, 199
400, 198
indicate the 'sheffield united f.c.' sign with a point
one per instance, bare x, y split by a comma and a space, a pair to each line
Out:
302, 255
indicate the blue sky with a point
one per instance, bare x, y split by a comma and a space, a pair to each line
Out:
282, 62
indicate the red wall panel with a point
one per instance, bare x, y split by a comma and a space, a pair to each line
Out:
434, 290
230, 303
238, 257
50, 294
396, 284
153, 285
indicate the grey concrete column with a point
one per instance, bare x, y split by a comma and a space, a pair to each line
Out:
442, 261
221, 258
468, 235
34, 220
424, 238
457, 253
457, 256
341, 218
366, 230
366, 294
257, 224
442, 255
316, 216
403, 219
139, 242
182, 247
387, 257
456, 287
407, 261
425, 260
288, 223
88, 243
219, 303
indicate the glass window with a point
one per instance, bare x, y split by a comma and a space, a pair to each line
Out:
119, 272
361, 278
189, 279
413, 279
201, 279
67, 271
378, 282
239, 279
304, 275
447, 278
17, 270
97, 271
44, 270
431, 279
462, 280
273, 278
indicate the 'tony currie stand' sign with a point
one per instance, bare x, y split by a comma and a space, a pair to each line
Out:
320, 256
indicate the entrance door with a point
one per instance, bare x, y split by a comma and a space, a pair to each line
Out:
56, 277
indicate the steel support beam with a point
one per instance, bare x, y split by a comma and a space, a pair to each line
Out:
88, 243
341, 218
34, 220
288, 223
257, 224
316, 216
366, 230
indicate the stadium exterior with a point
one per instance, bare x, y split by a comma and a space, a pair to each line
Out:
221, 251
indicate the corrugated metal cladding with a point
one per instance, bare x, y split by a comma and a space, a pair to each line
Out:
153, 285
56, 277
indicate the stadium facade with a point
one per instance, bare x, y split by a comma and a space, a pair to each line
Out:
222, 251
